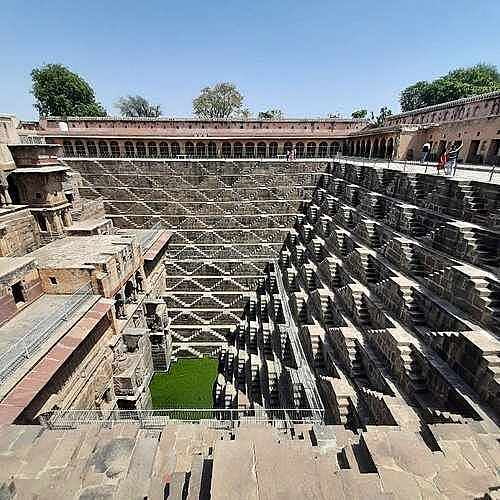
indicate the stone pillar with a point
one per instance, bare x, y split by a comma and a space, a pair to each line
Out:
139, 278
4, 190
133, 297
120, 305
58, 223
67, 220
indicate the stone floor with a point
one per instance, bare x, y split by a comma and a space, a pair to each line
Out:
186, 461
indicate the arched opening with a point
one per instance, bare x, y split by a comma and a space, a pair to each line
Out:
323, 150
287, 147
79, 148
129, 149
238, 150
115, 149
103, 149
212, 150
68, 148
92, 148
141, 150
390, 148
226, 149
175, 149
261, 149
300, 149
382, 148
189, 149
200, 149
273, 149
152, 150
375, 149
163, 150
351, 148
249, 150
358, 148
311, 149
334, 148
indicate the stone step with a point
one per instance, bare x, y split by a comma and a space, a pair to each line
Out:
136, 484
195, 480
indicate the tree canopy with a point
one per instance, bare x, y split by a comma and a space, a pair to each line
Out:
462, 82
137, 106
223, 100
60, 92
360, 113
378, 121
271, 114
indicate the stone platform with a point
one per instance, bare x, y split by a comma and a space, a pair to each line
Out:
183, 461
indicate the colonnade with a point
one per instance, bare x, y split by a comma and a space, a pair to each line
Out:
104, 148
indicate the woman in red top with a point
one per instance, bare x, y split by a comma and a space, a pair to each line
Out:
442, 161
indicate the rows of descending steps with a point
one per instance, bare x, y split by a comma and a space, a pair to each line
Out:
196, 462
393, 283
227, 218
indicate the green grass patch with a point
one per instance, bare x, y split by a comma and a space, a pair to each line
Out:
188, 384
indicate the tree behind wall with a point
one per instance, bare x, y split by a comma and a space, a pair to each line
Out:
271, 114
459, 83
360, 113
137, 106
60, 92
223, 100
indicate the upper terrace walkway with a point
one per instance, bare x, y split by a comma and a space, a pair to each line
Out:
464, 172
468, 172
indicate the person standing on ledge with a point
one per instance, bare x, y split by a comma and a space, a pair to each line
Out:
426, 148
451, 165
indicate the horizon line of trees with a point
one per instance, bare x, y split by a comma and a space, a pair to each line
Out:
59, 91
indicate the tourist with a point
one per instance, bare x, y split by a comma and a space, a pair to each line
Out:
294, 154
287, 155
426, 148
450, 167
442, 162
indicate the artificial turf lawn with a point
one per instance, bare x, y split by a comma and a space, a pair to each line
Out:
188, 384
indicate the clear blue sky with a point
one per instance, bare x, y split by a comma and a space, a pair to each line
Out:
309, 58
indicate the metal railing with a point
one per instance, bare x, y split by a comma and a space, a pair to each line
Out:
22, 350
212, 417
488, 169
306, 375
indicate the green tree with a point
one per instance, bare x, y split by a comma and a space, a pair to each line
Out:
462, 82
360, 113
271, 114
138, 106
60, 92
223, 100
378, 121
244, 113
